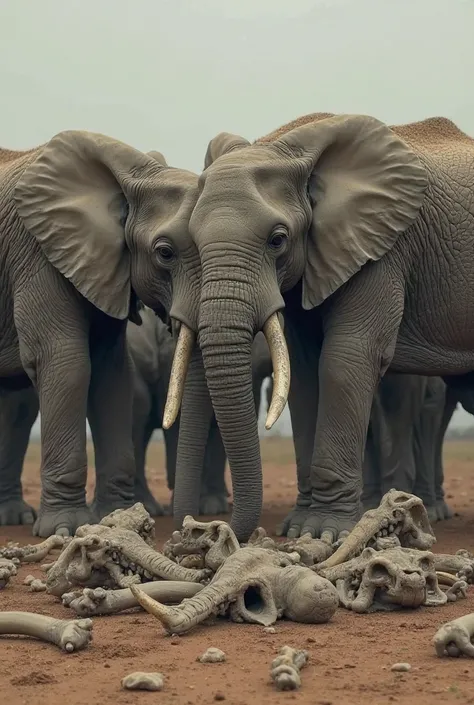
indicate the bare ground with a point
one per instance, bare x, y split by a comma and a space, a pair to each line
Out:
350, 658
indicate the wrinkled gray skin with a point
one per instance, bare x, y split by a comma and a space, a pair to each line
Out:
81, 226
152, 348
349, 226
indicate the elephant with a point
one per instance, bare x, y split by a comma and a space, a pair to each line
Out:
84, 226
152, 350
360, 233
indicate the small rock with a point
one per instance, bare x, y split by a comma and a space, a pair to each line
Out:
29, 579
143, 681
175, 641
212, 655
219, 696
269, 630
401, 667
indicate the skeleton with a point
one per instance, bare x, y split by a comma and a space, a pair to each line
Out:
8, 568
310, 551
201, 544
390, 579
90, 602
400, 515
455, 638
117, 552
286, 667
254, 585
69, 634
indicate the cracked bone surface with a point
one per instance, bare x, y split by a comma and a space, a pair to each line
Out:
285, 668
382, 580
455, 638
255, 585
8, 568
115, 553
69, 634
400, 514
97, 601
33, 553
207, 544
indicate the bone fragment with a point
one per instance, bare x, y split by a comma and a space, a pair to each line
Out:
455, 638
36, 585
33, 553
212, 655
7, 570
69, 634
143, 681
285, 668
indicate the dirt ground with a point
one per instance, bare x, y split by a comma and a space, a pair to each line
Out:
349, 658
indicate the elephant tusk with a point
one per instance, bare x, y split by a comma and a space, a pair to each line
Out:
182, 355
281, 368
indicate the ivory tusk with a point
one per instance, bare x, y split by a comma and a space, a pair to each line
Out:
281, 368
182, 355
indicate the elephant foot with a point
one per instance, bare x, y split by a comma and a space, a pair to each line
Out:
432, 511
153, 507
319, 522
100, 508
62, 520
16, 512
212, 504
443, 510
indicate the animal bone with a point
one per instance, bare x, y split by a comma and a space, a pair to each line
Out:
111, 554
143, 681
397, 577
36, 585
89, 603
253, 585
7, 570
207, 543
212, 655
285, 668
33, 553
69, 634
400, 514
461, 564
455, 638
311, 551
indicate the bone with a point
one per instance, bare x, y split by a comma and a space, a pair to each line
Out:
68, 634
33, 553
212, 655
143, 681
92, 602
285, 668
455, 638
35, 584
8, 568
461, 564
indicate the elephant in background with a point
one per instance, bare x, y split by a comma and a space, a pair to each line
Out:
81, 219
348, 226
152, 349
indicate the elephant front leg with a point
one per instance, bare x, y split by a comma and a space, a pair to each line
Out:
110, 417
18, 412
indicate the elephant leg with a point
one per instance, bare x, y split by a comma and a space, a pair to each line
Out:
18, 412
214, 492
303, 406
450, 403
143, 427
111, 416
371, 493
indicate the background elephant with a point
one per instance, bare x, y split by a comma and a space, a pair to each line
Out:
80, 219
152, 350
348, 226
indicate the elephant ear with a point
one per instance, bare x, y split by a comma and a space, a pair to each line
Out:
366, 187
223, 143
72, 200
158, 157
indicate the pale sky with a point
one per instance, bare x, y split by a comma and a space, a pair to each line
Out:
170, 74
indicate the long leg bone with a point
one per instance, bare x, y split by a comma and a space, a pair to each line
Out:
33, 553
285, 668
455, 638
70, 635
100, 601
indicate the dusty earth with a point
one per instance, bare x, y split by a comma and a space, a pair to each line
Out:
350, 658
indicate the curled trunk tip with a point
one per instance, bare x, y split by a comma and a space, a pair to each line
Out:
182, 355
281, 368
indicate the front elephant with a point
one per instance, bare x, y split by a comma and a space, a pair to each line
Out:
348, 225
83, 220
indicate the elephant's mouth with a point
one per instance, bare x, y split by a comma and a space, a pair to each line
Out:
273, 333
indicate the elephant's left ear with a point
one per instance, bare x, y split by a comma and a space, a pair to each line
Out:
366, 187
223, 143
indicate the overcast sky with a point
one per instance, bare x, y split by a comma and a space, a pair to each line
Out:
170, 74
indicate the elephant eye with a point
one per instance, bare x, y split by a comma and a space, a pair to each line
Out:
164, 253
278, 239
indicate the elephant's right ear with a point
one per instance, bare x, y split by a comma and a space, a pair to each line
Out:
73, 200
158, 157
221, 144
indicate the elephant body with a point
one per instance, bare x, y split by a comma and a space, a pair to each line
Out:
362, 235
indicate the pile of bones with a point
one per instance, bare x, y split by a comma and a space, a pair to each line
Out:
385, 563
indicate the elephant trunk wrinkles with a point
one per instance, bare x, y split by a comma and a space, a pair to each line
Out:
226, 332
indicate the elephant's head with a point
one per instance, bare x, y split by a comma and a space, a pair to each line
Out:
310, 204
114, 221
